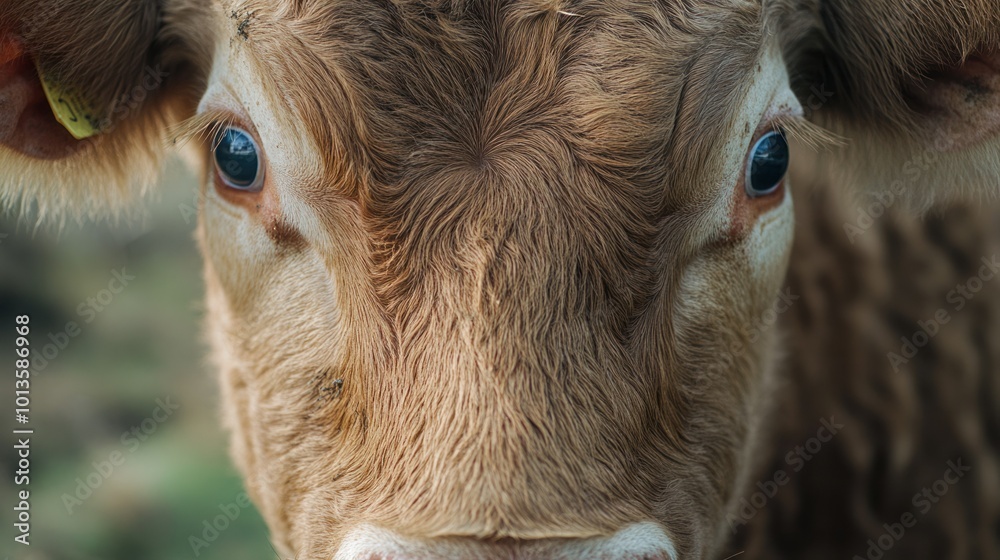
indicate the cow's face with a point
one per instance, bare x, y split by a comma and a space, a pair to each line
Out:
486, 279
492, 272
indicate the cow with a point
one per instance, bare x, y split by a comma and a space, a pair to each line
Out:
485, 278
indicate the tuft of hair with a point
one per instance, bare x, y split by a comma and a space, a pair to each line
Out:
106, 51
102, 48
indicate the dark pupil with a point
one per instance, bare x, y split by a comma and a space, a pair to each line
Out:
770, 163
236, 156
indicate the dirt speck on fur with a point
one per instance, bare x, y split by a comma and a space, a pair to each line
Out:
243, 27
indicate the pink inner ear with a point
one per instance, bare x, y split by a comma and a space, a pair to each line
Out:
963, 103
27, 124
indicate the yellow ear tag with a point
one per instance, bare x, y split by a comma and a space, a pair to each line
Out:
70, 109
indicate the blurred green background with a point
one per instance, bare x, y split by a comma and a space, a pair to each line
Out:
144, 345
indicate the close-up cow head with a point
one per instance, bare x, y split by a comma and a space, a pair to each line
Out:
484, 277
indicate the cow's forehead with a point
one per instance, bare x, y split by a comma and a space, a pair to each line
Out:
382, 82
495, 135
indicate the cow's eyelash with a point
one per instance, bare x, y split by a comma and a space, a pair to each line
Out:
203, 126
798, 127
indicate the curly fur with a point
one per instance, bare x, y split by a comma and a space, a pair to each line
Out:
509, 318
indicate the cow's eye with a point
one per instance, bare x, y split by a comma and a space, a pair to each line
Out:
767, 165
238, 159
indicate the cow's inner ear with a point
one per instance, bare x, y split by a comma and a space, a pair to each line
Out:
961, 104
929, 71
27, 122
951, 106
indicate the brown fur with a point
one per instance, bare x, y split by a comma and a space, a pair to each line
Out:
901, 428
883, 67
875, 55
68, 41
444, 238
105, 49
510, 283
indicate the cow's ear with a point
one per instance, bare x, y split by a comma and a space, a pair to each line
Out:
914, 87
88, 91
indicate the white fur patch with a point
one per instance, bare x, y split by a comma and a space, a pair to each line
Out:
636, 542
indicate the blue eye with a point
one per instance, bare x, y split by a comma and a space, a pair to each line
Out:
238, 159
768, 164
